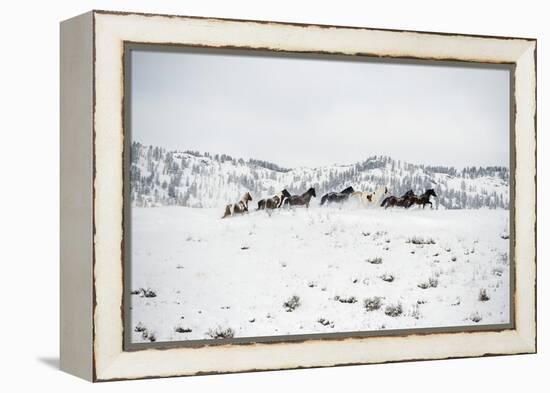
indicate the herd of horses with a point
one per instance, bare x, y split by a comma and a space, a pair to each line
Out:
380, 196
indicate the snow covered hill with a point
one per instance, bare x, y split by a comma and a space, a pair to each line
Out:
317, 270
160, 177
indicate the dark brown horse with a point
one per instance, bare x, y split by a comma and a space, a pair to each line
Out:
423, 199
239, 207
300, 200
341, 196
402, 201
274, 202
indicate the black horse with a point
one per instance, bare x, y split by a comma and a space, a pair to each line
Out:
300, 200
274, 202
402, 201
337, 196
423, 199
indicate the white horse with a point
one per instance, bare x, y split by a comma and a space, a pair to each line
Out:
370, 199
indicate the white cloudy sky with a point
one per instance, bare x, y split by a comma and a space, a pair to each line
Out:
309, 112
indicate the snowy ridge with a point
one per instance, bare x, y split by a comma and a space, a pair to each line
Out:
161, 177
324, 269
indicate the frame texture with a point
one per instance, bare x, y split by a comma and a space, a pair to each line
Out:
103, 357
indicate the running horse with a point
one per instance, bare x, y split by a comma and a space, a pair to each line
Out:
274, 202
370, 198
300, 200
403, 201
423, 199
240, 207
339, 197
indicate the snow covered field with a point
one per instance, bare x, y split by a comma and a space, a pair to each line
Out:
195, 276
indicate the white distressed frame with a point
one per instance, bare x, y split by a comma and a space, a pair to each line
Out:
111, 30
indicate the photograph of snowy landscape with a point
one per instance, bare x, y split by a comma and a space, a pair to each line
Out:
275, 196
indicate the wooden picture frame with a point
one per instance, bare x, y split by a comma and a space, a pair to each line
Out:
93, 158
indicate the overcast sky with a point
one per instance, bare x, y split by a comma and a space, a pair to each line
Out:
310, 112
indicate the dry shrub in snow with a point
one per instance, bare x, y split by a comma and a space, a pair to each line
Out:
483, 295
325, 322
497, 271
387, 277
503, 259
372, 303
394, 310
144, 292
292, 304
420, 240
415, 311
219, 333
145, 333
432, 282
180, 329
349, 300
375, 261
475, 317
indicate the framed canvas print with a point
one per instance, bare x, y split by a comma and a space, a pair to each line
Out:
245, 195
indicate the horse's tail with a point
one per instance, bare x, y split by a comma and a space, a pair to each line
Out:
385, 201
261, 204
324, 199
